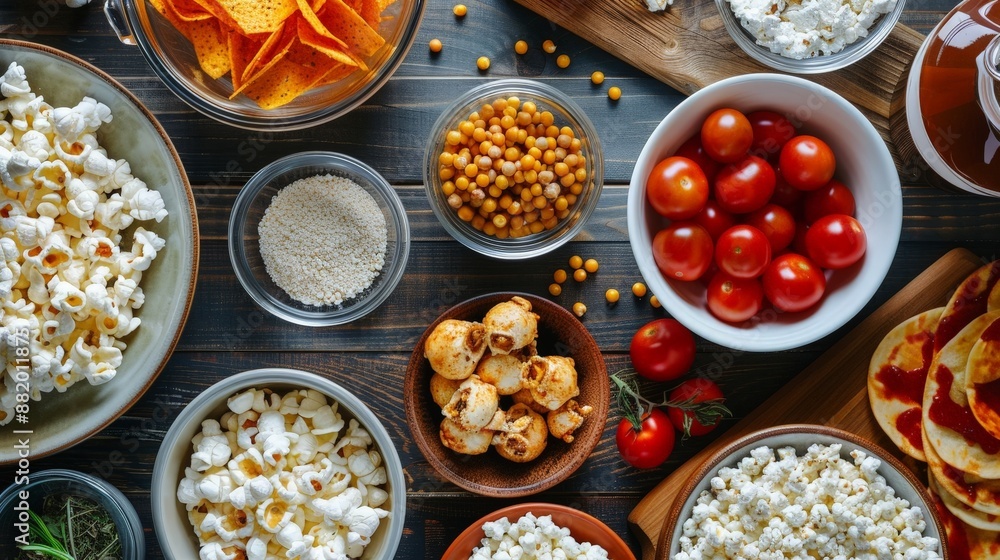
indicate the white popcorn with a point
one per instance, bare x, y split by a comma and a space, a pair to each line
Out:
532, 537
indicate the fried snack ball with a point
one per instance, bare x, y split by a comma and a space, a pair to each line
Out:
455, 347
474, 406
503, 371
551, 380
525, 397
566, 419
443, 388
464, 441
522, 445
510, 326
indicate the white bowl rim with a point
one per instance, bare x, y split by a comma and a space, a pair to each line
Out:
714, 329
194, 410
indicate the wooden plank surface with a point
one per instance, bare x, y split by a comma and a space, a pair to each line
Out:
832, 391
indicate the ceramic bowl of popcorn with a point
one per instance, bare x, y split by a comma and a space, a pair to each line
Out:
829, 483
544, 522
274, 462
107, 167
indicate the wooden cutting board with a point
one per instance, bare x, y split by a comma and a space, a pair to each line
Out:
832, 391
688, 48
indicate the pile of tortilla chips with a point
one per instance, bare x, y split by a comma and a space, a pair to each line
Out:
934, 387
274, 50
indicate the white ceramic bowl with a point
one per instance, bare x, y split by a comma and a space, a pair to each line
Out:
60, 420
863, 163
170, 520
799, 436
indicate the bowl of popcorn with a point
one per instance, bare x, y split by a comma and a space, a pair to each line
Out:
561, 531
513, 169
811, 36
318, 238
275, 462
99, 243
506, 394
806, 490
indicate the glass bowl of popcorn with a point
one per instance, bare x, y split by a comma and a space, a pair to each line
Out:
803, 489
809, 37
274, 462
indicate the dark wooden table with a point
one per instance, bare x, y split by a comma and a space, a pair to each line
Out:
228, 333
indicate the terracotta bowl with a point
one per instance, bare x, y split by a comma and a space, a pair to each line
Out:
582, 527
800, 436
559, 332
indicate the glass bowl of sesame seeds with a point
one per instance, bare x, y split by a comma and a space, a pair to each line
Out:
513, 169
318, 238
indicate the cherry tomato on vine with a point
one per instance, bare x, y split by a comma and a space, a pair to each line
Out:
832, 198
807, 162
743, 251
793, 283
777, 224
698, 390
836, 241
726, 135
745, 186
714, 219
662, 350
770, 132
677, 188
734, 300
694, 151
683, 251
651, 444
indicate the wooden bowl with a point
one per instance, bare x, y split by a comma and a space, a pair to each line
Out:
559, 332
582, 527
800, 436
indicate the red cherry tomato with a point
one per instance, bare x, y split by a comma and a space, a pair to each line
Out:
662, 350
745, 186
833, 198
714, 219
726, 135
743, 251
785, 194
697, 390
651, 444
807, 163
836, 241
777, 224
793, 283
677, 188
683, 251
733, 299
770, 132
694, 151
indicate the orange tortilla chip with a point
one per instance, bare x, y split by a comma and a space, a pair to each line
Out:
274, 46
337, 73
369, 10
209, 41
242, 51
259, 16
188, 10
288, 78
213, 7
330, 47
350, 27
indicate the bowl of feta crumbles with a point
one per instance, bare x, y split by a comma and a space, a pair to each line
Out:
318, 238
803, 491
809, 36
537, 530
277, 462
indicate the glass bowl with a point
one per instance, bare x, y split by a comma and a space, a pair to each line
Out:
244, 250
173, 60
817, 64
567, 113
38, 485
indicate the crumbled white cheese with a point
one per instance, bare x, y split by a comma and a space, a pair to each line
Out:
658, 5
775, 505
807, 28
532, 537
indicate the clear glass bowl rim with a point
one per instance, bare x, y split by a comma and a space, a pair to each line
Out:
818, 64
532, 245
352, 166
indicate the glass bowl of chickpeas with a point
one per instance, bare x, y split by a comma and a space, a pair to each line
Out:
513, 169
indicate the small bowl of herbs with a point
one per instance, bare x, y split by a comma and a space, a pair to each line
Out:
68, 515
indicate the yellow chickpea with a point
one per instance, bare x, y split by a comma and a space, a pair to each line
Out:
559, 276
612, 295
654, 302
615, 93
639, 289
460, 10
562, 61
483, 63
597, 78
579, 275
555, 289
521, 47
579, 309
575, 262
548, 46
590, 265
435, 45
